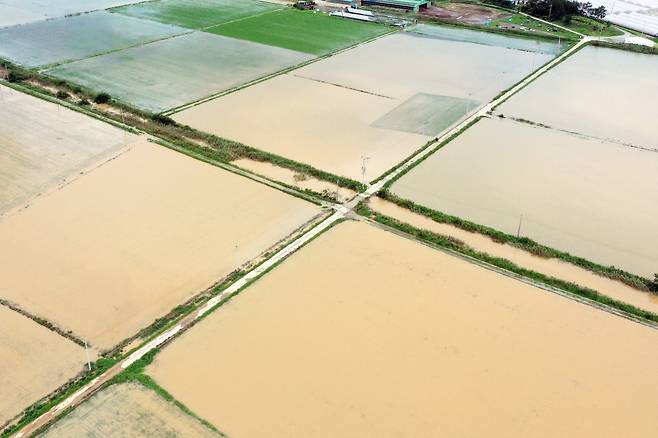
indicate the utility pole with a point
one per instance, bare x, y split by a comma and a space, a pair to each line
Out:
518, 230
87, 354
364, 161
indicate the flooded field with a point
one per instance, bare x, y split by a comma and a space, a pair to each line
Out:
42, 145
169, 73
548, 266
35, 362
404, 64
565, 191
13, 12
124, 244
292, 178
319, 124
581, 95
128, 410
78, 37
403, 340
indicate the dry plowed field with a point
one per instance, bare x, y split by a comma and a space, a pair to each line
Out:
34, 361
128, 410
107, 254
404, 340
43, 145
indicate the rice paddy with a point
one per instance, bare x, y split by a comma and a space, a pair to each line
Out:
303, 31
70, 38
121, 246
43, 145
35, 362
196, 14
128, 410
157, 76
566, 191
403, 343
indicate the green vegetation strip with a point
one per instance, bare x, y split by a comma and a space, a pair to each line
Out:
457, 246
304, 31
524, 243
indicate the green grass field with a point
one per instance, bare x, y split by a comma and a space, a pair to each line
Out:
196, 14
303, 31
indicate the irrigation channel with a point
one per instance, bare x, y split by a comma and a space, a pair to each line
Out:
340, 212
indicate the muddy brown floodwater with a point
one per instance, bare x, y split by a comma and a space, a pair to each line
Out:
365, 333
122, 245
594, 199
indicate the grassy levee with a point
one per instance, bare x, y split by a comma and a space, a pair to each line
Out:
401, 163
524, 243
637, 48
458, 246
134, 120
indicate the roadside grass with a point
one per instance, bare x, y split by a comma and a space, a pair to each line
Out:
458, 246
303, 31
196, 14
528, 25
592, 27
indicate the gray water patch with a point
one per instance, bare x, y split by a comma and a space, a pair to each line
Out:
426, 114
487, 38
81, 36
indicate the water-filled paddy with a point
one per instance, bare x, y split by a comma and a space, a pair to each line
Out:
13, 12
124, 244
77, 37
319, 124
591, 198
599, 92
42, 145
35, 361
365, 333
172, 72
197, 14
128, 410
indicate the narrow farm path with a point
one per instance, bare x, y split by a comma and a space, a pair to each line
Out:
341, 212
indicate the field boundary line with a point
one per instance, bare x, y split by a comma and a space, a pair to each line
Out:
204, 29
342, 86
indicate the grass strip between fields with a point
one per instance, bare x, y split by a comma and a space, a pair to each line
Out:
458, 246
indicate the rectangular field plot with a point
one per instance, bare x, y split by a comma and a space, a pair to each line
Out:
121, 246
304, 31
600, 92
488, 38
128, 410
35, 362
78, 37
319, 124
169, 73
404, 64
197, 14
42, 145
367, 334
594, 199
13, 12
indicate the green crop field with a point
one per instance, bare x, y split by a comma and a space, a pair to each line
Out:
197, 14
304, 31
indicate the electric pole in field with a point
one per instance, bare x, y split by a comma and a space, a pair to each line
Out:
87, 354
518, 230
364, 161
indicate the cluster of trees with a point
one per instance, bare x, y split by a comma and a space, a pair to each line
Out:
562, 9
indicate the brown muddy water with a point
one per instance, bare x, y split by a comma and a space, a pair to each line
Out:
367, 334
34, 362
606, 93
122, 245
548, 266
128, 410
594, 199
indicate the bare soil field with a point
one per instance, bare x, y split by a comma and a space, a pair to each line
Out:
405, 340
172, 72
78, 37
42, 145
548, 266
594, 199
465, 13
319, 124
577, 96
35, 362
128, 410
117, 248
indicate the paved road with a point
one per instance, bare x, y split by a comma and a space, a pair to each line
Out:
341, 211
